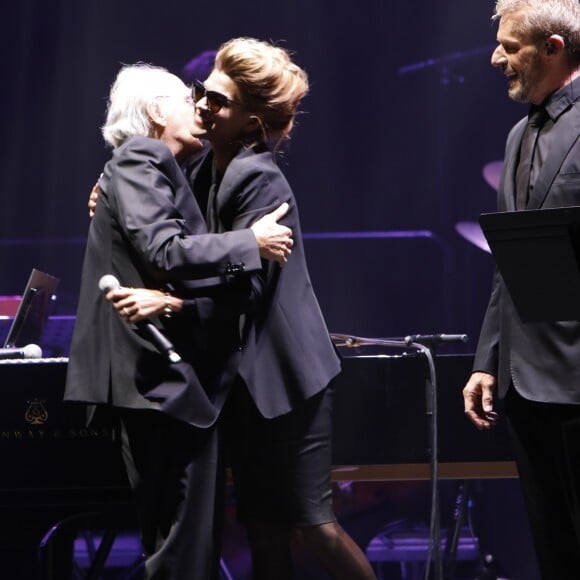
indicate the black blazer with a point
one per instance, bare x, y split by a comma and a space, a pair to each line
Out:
148, 231
542, 359
288, 355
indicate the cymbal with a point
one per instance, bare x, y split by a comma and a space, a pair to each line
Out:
471, 231
492, 173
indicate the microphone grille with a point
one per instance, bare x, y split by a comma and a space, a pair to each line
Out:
108, 282
32, 351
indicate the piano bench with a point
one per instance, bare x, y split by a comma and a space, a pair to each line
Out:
89, 545
409, 545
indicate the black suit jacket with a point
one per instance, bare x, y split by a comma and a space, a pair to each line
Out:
542, 359
288, 355
148, 231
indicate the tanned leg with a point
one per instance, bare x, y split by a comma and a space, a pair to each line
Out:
336, 551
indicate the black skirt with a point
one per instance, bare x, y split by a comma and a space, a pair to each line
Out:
281, 467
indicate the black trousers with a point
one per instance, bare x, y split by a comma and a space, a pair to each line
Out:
178, 478
546, 439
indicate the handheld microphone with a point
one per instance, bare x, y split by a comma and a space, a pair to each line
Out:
107, 283
28, 351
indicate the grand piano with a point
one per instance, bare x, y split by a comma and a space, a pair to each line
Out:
56, 470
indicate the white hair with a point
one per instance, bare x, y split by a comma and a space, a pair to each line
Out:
542, 18
135, 87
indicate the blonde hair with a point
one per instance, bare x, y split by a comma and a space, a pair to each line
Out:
268, 82
135, 87
542, 18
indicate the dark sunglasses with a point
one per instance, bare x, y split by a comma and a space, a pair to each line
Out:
215, 100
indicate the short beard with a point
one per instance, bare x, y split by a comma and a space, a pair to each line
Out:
520, 93
525, 82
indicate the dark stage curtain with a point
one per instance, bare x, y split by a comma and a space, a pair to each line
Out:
374, 150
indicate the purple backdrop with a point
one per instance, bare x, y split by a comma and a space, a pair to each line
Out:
404, 113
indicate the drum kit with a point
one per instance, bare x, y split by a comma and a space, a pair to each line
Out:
470, 230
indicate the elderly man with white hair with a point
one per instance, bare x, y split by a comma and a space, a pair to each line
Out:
149, 232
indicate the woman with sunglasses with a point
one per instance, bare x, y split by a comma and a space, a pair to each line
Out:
277, 421
278, 416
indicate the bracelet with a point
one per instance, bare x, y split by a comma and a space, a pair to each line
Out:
167, 310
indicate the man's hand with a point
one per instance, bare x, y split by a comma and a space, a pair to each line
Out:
94, 195
274, 240
478, 400
135, 304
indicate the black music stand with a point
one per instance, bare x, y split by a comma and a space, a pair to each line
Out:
33, 310
537, 253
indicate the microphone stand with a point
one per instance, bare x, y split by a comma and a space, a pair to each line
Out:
423, 344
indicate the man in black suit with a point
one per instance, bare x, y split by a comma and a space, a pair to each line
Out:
535, 367
148, 231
